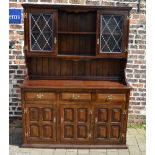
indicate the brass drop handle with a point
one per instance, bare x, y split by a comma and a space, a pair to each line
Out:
75, 96
39, 96
109, 98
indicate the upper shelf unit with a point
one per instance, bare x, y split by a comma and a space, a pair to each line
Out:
96, 32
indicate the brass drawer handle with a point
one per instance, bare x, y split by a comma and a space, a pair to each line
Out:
39, 96
74, 96
109, 98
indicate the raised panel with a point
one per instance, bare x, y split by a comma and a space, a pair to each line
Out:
82, 131
41, 125
34, 114
82, 115
47, 114
101, 131
115, 131
102, 115
75, 124
34, 131
116, 115
68, 114
68, 131
47, 131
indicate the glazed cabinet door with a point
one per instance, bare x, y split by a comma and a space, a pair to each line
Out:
75, 123
112, 32
40, 123
41, 32
108, 123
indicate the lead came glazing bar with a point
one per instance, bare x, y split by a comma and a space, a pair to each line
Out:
41, 32
111, 33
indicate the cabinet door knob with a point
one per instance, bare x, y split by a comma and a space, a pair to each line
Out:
98, 41
55, 40
54, 120
96, 120
62, 120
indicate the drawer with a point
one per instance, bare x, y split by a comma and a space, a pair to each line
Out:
76, 96
111, 97
39, 96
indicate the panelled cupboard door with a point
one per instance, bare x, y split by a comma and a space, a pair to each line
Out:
41, 123
75, 123
112, 32
108, 122
41, 32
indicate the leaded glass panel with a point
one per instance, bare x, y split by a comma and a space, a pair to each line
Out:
111, 33
41, 32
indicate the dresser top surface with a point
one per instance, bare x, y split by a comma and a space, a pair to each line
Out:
73, 84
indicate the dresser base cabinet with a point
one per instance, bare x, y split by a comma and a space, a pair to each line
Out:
86, 117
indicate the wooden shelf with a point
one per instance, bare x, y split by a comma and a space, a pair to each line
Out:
73, 84
77, 33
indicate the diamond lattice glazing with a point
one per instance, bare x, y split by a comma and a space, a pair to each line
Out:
41, 32
111, 33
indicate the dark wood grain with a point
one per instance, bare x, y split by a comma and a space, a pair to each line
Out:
75, 96
50, 68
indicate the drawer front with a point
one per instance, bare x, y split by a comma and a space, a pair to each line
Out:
76, 96
39, 96
111, 97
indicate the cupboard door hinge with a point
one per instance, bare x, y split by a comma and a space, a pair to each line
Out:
89, 135
25, 110
123, 136
90, 112
128, 17
24, 15
126, 50
124, 112
26, 134
62, 120
98, 41
26, 48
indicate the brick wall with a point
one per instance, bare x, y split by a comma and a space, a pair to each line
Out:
136, 67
